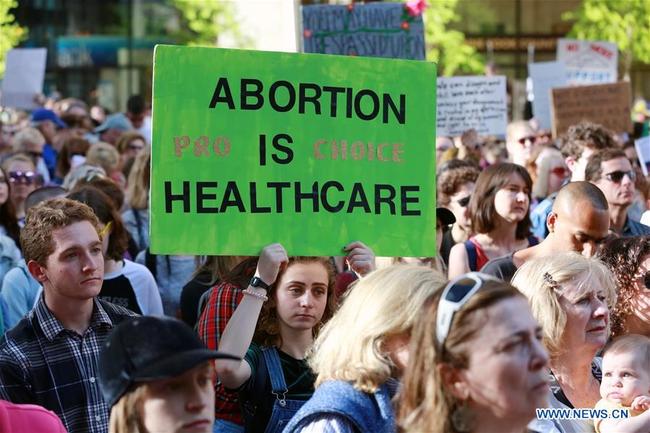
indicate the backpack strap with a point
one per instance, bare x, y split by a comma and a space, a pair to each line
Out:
150, 262
470, 248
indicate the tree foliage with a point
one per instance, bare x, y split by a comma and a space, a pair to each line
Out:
623, 22
446, 46
10, 32
204, 21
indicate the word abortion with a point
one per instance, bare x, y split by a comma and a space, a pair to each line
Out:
284, 96
329, 196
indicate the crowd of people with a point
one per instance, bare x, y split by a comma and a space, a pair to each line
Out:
538, 296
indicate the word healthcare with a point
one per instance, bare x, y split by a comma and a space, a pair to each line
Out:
329, 196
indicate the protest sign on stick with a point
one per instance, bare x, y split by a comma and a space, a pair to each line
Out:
606, 104
472, 103
588, 62
373, 30
312, 151
23, 79
642, 146
545, 76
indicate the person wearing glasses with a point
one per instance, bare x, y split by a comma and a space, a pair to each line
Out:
570, 296
23, 179
477, 361
455, 187
577, 145
362, 352
578, 222
552, 173
629, 260
521, 142
611, 171
499, 211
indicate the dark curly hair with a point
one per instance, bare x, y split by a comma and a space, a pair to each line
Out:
451, 180
623, 257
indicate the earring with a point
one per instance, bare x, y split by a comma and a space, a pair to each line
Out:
461, 418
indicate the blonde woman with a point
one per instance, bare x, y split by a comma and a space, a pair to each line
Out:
105, 155
157, 376
477, 363
362, 351
570, 296
136, 218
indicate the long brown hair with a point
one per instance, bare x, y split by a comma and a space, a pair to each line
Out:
267, 331
425, 404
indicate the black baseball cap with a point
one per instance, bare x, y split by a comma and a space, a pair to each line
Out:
145, 349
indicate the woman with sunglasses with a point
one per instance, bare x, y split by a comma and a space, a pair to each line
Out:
629, 260
23, 179
551, 173
570, 296
126, 283
477, 361
499, 210
361, 354
455, 188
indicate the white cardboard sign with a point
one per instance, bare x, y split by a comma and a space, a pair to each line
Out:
23, 79
545, 76
588, 62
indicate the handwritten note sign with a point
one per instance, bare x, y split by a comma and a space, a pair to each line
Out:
545, 76
588, 62
23, 79
373, 30
642, 146
251, 148
472, 102
606, 104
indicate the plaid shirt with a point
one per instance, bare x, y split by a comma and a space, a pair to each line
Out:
45, 364
222, 302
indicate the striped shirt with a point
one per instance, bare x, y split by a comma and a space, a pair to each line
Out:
45, 364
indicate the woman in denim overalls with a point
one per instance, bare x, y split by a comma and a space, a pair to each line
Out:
273, 379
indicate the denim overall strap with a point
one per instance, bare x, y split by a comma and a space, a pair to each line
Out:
273, 366
283, 409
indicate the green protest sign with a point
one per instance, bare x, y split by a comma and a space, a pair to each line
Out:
313, 151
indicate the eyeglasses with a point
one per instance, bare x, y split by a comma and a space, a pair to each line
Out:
463, 202
560, 171
454, 296
530, 138
26, 177
618, 175
107, 228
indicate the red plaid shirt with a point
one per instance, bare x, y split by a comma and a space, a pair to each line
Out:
221, 305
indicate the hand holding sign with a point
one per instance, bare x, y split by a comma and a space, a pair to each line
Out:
360, 258
272, 258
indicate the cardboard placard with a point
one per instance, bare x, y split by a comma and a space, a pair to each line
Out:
23, 79
373, 30
545, 76
313, 151
588, 62
475, 102
606, 104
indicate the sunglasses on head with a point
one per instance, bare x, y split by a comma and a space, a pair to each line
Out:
463, 202
454, 296
530, 138
560, 171
26, 177
618, 175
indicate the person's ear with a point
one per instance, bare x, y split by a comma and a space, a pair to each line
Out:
453, 381
37, 271
551, 219
570, 163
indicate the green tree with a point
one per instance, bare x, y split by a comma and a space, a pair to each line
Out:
445, 46
204, 21
10, 32
623, 22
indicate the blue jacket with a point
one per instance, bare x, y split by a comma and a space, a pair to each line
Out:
368, 412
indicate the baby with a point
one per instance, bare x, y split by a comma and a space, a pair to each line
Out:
626, 384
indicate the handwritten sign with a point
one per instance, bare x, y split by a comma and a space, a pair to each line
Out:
312, 151
373, 30
642, 146
472, 102
606, 104
545, 76
588, 62
23, 79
